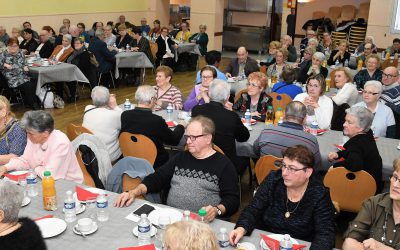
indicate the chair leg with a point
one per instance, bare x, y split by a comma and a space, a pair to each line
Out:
112, 79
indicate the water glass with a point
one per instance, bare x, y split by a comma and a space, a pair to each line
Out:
163, 221
22, 182
91, 208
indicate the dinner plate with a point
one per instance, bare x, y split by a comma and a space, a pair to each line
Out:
252, 121
277, 237
51, 227
25, 201
153, 231
174, 215
94, 229
93, 190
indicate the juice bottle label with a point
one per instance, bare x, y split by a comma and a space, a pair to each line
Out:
50, 203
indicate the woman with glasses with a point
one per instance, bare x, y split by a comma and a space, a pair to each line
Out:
270, 59
124, 38
372, 72
319, 106
255, 99
383, 124
292, 200
199, 94
313, 67
308, 53
376, 225
361, 152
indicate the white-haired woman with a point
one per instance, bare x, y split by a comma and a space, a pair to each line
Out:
313, 67
383, 124
286, 41
347, 90
201, 39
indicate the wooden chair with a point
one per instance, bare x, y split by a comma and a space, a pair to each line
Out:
348, 13
349, 189
265, 165
74, 131
129, 183
280, 100
239, 94
389, 62
87, 179
334, 13
153, 49
363, 11
337, 36
263, 69
318, 14
138, 145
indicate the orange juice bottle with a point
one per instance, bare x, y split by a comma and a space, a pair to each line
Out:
278, 115
360, 64
49, 192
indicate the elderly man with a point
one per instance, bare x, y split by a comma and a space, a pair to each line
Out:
199, 177
274, 139
391, 94
367, 51
62, 31
304, 42
141, 120
28, 25
242, 65
395, 48
144, 27
3, 35
228, 126
45, 48
104, 56
122, 20
213, 58
103, 118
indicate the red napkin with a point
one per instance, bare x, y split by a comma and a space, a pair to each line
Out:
84, 195
274, 244
44, 217
341, 148
145, 247
36, 65
193, 216
171, 124
15, 177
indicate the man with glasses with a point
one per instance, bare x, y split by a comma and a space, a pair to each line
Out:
304, 42
197, 178
391, 94
45, 48
367, 51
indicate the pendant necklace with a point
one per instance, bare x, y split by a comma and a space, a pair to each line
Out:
288, 213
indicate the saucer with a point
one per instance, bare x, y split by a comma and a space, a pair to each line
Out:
153, 231
25, 201
80, 210
94, 229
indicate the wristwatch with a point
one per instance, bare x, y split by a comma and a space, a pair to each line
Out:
219, 212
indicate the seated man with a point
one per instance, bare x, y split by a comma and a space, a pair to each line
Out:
242, 65
367, 51
199, 177
144, 27
213, 58
103, 118
274, 139
391, 89
63, 51
141, 120
395, 48
45, 48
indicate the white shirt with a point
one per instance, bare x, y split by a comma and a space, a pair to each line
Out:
38, 49
61, 52
347, 94
168, 52
323, 114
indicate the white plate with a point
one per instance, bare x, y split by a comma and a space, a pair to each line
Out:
174, 215
153, 231
51, 227
93, 190
25, 201
277, 237
94, 229
246, 245
79, 210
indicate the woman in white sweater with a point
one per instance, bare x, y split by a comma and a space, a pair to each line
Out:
319, 106
347, 91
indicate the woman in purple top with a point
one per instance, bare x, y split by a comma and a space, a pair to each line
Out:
199, 94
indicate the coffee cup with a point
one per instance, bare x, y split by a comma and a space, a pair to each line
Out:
45, 63
85, 224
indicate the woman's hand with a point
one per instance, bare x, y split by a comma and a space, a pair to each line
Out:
7, 66
309, 101
332, 156
136, 49
236, 235
125, 199
255, 113
26, 69
372, 244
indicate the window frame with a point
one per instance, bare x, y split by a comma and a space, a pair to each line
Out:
396, 9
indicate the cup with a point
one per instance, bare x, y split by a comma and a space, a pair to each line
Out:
85, 224
45, 63
23, 182
163, 221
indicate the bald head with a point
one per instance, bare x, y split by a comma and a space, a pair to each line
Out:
242, 54
390, 75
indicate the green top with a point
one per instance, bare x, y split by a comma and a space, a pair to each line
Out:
279, 109
202, 212
47, 173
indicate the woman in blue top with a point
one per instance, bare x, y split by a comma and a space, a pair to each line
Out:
286, 86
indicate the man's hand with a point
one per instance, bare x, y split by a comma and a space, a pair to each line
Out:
236, 235
228, 105
228, 75
211, 213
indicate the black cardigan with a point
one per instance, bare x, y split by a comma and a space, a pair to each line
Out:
303, 76
46, 50
341, 60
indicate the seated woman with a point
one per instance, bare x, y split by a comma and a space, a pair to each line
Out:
16, 233
383, 124
313, 67
361, 152
275, 70
109, 37
376, 225
124, 38
372, 72
63, 51
156, 30
256, 100
166, 92
16, 33
327, 44
184, 34
286, 41
201, 39
340, 54
29, 44
199, 94
192, 235
319, 106
15, 71
347, 91
270, 59
307, 56
12, 136
292, 200
165, 54
286, 86
47, 149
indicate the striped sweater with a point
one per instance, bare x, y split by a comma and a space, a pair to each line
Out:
172, 95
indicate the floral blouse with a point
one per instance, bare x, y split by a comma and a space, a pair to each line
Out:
15, 76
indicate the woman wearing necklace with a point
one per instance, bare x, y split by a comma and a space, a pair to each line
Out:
275, 70
292, 200
166, 92
12, 136
15, 233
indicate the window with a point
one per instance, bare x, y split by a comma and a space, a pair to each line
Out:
395, 25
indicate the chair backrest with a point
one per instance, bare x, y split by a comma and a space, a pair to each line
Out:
363, 11
280, 100
348, 12
154, 49
138, 145
334, 13
337, 36
389, 62
239, 94
265, 165
349, 189
318, 14
74, 131
87, 179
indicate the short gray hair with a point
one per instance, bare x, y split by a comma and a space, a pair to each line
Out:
219, 91
363, 115
68, 36
296, 111
11, 197
376, 84
320, 56
38, 120
99, 32
144, 94
312, 40
100, 96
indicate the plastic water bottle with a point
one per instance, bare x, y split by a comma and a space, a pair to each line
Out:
314, 128
286, 243
127, 105
247, 117
31, 182
222, 237
102, 204
337, 63
201, 215
346, 63
54, 59
280, 121
170, 111
128, 47
144, 230
69, 207
186, 215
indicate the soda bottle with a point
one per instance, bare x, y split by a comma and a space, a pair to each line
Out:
247, 117
278, 115
127, 105
102, 204
360, 64
201, 215
69, 207
49, 192
269, 117
144, 230
286, 243
223, 239
31, 186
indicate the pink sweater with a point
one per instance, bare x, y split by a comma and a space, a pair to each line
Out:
58, 157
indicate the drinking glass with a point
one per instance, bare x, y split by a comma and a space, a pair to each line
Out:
22, 182
91, 207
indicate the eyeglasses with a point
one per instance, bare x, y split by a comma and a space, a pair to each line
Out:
388, 75
291, 170
193, 138
206, 77
369, 93
252, 85
394, 178
313, 85
367, 48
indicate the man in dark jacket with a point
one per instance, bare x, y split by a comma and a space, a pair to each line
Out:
45, 48
165, 52
243, 64
104, 57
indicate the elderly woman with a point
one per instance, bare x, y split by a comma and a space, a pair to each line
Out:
256, 100
340, 54
361, 152
319, 106
184, 34
327, 44
313, 67
347, 91
15, 233
109, 37
103, 118
308, 53
383, 124
286, 41
192, 235
165, 53
376, 224
12, 136
166, 92
372, 72
292, 200
313, 42
270, 59
124, 38
360, 48
156, 30
199, 94
275, 70
286, 86
63, 51
47, 149
201, 39
29, 44
141, 44
15, 71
